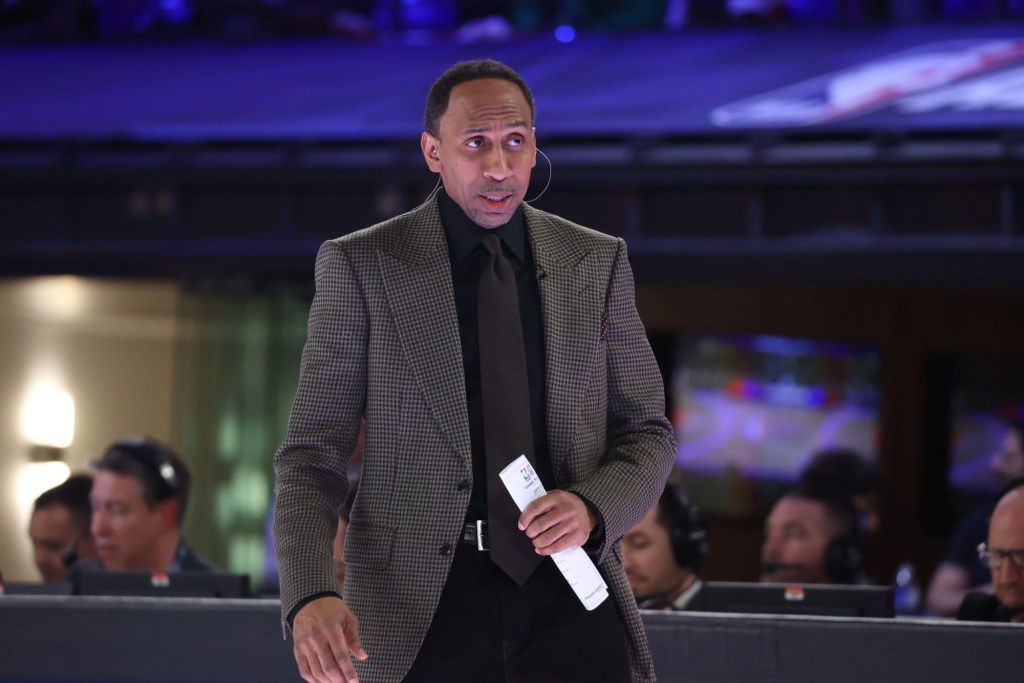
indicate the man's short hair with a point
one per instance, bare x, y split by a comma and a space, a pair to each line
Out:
72, 493
463, 72
840, 510
161, 473
841, 473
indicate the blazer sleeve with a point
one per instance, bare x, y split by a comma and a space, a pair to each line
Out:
640, 448
311, 465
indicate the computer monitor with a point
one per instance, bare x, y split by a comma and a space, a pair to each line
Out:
749, 411
27, 588
971, 398
189, 584
805, 599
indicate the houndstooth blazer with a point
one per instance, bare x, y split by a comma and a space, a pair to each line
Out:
383, 342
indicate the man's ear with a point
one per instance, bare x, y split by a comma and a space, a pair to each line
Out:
168, 513
429, 144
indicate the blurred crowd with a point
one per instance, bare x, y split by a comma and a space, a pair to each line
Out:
465, 20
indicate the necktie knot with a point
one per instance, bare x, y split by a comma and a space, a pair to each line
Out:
492, 245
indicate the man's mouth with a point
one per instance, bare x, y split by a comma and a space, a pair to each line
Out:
496, 199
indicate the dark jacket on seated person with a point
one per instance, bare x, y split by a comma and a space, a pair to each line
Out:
185, 560
979, 606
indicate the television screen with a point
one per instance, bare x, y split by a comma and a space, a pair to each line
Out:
778, 598
986, 392
192, 584
750, 410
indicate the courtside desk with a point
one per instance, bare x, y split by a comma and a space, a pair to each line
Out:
162, 640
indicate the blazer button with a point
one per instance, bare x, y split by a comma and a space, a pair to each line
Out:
446, 549
463, 485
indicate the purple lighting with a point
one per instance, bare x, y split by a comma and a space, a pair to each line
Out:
565, 34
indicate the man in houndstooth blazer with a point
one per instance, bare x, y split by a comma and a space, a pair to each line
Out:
383, 344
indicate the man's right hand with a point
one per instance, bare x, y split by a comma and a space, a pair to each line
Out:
326, 636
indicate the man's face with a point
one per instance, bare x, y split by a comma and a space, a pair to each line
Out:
796, 534
486, 151
1007, 462
126, 529
1006, 532
648, 560
52, 530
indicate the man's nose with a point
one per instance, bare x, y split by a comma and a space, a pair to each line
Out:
497, 164
99, 523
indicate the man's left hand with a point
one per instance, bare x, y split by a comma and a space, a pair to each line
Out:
557, 521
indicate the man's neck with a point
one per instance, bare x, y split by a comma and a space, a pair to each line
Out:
667, 600
688, 580
164, 552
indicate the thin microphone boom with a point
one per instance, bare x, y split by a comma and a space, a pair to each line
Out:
551, 172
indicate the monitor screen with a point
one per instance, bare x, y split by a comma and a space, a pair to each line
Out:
986, 393
192, 584
749, 411
778, 598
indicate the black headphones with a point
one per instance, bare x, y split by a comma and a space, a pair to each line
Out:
844, 554
155, 457
686, 531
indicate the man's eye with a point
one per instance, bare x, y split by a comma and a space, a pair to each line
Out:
475, 143
516, 142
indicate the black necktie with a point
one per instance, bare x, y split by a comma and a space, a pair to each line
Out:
506, 408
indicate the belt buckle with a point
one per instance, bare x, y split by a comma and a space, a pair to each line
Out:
480, 535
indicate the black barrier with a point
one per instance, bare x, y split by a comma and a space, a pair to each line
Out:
81, 639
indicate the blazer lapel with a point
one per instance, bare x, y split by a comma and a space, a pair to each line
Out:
572, 304
416, 272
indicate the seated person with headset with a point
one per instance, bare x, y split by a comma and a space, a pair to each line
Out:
812, 539
59, 528
138, 499
1003, 555
663, 553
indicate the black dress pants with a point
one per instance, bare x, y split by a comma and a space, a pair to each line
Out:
489, 630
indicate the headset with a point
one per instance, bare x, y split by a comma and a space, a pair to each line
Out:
844, 554
686, 531
156, 458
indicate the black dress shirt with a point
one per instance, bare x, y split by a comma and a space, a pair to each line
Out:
467, 260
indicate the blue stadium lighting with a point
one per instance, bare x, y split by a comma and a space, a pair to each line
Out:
565, 34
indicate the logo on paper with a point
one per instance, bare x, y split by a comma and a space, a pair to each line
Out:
527, 477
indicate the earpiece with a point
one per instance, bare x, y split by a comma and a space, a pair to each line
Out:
687, 533
433, 152
844, 556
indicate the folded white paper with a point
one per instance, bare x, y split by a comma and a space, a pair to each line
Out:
522, 482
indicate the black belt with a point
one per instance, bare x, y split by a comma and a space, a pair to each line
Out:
475, 534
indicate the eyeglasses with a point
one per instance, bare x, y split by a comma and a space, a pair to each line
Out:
993, 557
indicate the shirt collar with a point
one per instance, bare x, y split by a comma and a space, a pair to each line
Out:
464, 235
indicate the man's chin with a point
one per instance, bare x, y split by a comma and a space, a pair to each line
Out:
111, 563
1014, 601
